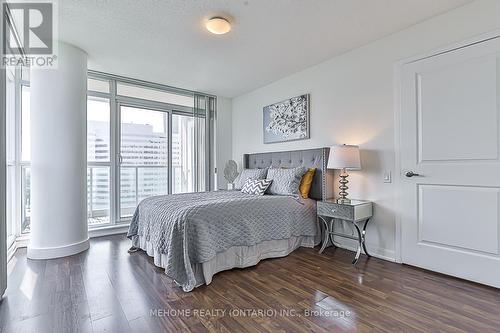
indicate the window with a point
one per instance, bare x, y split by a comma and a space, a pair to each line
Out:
18, 152
185, 130
10, 95
25, 124
155, 95
98, 160
25, 159
25, 199
144, 156
142, 141
96, 85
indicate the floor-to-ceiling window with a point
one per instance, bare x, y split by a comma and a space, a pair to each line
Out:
10, 94
25, 157
98, 156
144, 143
143, 139
18, 152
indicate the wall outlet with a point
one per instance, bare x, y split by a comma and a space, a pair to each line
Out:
387, 177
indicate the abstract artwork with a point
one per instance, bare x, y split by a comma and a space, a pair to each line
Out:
287, 120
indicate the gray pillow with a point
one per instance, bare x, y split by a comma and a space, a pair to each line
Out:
285, 181
249, 174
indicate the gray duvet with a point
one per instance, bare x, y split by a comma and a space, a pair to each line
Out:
192, 228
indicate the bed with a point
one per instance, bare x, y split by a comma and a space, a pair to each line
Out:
196, 235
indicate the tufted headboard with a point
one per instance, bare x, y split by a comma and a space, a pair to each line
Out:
322, 187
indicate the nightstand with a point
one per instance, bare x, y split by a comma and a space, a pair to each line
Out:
358, 211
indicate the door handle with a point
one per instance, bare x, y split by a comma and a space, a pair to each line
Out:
410, 174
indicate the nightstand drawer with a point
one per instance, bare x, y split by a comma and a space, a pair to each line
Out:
334, 210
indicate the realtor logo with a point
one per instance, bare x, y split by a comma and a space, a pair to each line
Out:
29, 34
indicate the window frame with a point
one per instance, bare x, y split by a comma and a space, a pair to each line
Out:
12, 201
15, 199
117, 101
103, 164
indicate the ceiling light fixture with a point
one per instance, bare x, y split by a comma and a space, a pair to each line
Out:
218, 25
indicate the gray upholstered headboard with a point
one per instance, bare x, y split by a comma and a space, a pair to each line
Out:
322, 187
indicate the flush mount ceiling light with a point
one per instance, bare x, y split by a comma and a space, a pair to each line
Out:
218, 25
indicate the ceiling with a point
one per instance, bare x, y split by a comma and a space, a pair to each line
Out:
165, 41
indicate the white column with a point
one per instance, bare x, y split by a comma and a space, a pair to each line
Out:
58, 157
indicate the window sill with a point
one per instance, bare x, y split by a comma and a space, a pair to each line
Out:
108, 230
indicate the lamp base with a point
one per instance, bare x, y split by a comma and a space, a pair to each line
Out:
343, 188
343, 201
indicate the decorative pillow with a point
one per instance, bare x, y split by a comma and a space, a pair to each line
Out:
256, 186
249, 174
306, 183
285, 181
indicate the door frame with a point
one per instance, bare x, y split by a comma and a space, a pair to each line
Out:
398, 109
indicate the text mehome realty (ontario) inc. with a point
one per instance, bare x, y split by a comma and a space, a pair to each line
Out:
259, 313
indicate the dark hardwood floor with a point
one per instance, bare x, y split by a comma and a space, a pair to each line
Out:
106, 289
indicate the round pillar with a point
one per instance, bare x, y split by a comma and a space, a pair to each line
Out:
58, 157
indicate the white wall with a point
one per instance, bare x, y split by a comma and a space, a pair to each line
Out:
352, 102
224, 138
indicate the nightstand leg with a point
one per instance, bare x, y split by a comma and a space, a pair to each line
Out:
360, 244
332, 240
363, 239
327, 235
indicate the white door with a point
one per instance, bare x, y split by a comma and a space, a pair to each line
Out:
450, 138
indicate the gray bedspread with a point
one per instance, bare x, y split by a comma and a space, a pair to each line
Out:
192, 228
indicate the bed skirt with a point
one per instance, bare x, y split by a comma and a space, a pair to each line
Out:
234, 257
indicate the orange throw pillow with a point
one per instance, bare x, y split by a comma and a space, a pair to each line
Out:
306, 183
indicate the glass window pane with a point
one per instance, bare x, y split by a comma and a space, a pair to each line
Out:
128, 191
154, 95
10, 104
144, 137
98, 195
26, 199
152, 181
201, 152
11, 202
10, 95
25, 124
144, 156
98, 85
182, 154
25, 73
98, 130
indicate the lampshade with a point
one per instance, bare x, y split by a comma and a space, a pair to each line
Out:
345, 156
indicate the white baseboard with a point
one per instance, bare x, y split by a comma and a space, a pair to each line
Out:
58, 251
23, 241
374, 251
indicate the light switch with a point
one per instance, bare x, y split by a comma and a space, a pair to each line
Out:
387, 177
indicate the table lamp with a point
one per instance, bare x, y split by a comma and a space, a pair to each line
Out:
344, 157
